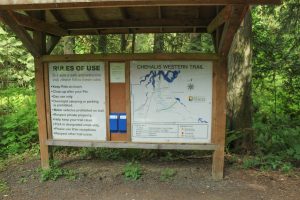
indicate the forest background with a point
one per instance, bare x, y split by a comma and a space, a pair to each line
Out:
263, 104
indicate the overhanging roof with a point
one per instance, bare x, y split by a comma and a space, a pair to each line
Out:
85, 17
53, 4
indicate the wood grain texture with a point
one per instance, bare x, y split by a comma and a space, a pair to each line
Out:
107, 100
119, 137
47, 101
128, 57
20, 31
135, 23
41, 113
219, 19
66, 4
118, 104
38, 25
139, 30
117, 96
230, 28
131, 145
128, 99
53, 41
219, 116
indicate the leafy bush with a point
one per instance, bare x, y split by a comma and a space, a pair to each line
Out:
55, 172
279, 137
269, 162
18, 127
132, 171
16, 64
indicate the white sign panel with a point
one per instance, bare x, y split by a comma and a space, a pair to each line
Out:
77, 100
117, 72
171, 101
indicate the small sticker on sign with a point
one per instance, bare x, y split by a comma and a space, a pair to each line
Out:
123, 117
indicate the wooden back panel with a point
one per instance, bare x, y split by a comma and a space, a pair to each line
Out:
117, 96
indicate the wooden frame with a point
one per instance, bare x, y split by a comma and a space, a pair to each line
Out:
218, 112
53, 4
120, 88
107, 99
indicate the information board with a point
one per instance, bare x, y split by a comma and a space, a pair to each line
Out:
171, 101
77, 100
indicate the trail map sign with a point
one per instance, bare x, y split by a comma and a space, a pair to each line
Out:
77, 100
171, 101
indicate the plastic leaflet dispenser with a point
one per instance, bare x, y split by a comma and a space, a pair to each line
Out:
122, 124
113, 122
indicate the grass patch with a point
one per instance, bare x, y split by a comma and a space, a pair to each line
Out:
55, 172
133, 171
267, 163
3, 186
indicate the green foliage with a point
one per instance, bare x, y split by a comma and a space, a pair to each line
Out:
267, 162
3, 186
231, 137
18, 127
167, 174
16, 64
276, 86
278, 137
133, 171
55, 172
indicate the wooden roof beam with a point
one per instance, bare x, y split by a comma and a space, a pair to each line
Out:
56, 14
124, 13
23, 35
133, 23
197, 16
89, 14
38, 25
220, 19
51, 44
53, 4
230, 28
137, 31
160, 16
91, 17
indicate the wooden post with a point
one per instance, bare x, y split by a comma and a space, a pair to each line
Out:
219, 116
39, 40
41, 112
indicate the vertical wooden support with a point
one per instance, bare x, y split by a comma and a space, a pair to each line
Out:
219, 116
128, 101
47, 100
41, 112
39, 40
107, 81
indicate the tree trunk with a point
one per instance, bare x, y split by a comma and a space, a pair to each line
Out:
69, 45
195, 42
123, 43
239, 101
158, 43
103, 44
133, 43
94, 40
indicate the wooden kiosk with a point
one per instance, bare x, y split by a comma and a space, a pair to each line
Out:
129, 100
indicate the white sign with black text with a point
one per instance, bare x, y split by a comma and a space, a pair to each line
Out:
77, 100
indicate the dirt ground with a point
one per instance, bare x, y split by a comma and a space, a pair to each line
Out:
99, 179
